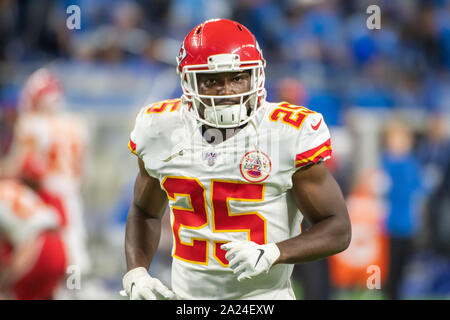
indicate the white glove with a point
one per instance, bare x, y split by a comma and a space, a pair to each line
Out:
248, 259
139, 285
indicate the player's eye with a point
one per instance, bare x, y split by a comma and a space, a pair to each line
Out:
241, 78
238, 78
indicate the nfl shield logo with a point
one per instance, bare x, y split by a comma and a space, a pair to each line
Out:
210, 158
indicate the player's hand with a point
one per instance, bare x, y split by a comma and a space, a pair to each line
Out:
139, 285
248, 259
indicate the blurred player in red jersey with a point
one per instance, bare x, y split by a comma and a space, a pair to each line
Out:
32, 251
50, 144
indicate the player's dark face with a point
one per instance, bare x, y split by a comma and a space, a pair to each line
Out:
225, 83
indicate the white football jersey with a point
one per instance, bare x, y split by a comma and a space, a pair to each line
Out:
237, 189
57, 142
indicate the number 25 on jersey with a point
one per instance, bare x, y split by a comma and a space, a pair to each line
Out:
222, 220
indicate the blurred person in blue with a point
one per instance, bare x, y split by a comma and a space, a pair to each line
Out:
259, 15
434, 150
439, 215
434, 155
403, 174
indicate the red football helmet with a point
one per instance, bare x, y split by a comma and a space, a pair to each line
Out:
42, 92
215, 46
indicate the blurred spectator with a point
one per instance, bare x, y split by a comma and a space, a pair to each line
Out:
350, 269
326, 41
375, 89
439, 216
34, 30
409, 93
184, 14
259, 16
404, 180
433, 150
327, 102
156, 16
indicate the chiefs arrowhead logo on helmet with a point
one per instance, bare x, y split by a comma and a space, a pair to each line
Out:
181, 55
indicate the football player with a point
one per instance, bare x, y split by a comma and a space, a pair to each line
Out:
238, 172
51, 143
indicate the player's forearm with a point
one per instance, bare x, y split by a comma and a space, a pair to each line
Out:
325, 238
141, 238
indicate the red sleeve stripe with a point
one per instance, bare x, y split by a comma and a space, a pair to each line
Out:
322, 151
132, 146
324, 154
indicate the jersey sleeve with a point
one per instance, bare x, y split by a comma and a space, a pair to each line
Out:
138, 135
313, 143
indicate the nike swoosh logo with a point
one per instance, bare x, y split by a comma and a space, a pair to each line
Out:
317, 125
261, 252
131, 289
